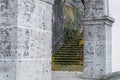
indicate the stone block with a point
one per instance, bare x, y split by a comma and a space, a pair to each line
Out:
89, 33
46, 69
33, 44
100, 49
8, 9
100, 32
88, 70
33, 70
29, 70
8, 42
34, 14
94, 8
7, 69
99, 67
89, 49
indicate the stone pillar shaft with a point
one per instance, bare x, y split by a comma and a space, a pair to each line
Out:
97, 35
97, 48
25, 39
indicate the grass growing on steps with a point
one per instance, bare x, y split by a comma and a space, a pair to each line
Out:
67, 68
70, 56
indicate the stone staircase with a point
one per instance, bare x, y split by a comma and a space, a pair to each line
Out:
69, 57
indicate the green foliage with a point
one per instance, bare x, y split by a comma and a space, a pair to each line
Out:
70, 32
61, 1
70, 24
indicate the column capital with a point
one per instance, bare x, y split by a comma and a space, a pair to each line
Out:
102, 20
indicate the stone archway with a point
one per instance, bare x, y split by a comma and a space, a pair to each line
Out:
26, 37
97, 35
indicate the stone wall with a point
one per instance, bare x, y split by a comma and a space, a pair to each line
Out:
25, 39
58, 33
97, 35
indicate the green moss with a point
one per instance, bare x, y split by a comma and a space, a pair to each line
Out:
67, 68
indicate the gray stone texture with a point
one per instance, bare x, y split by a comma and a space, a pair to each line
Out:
96, 8
25, 39
97, 34
97, 49
58, 21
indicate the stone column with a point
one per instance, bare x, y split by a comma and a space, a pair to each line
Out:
97, 34
25, 39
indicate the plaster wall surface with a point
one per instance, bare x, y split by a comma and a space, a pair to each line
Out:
114, 12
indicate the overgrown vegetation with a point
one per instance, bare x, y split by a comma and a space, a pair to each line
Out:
70, 23
71, 31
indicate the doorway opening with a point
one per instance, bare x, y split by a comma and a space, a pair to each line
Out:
67, 39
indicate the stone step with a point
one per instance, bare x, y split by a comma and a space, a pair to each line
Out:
78, 54
68, 52
71, 47
68, 63
67, 58
67, 68
67, 55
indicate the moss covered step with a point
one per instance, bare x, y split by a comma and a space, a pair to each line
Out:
68, 63
71, 47
70, 53
67, 68
67, 58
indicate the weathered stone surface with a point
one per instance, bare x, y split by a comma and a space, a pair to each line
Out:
94, 32
7, 69
8, 13
94, 8
89, 49
8, 42
34, 70
33, 44
97, 49
25, 39
58, 32
34, 14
